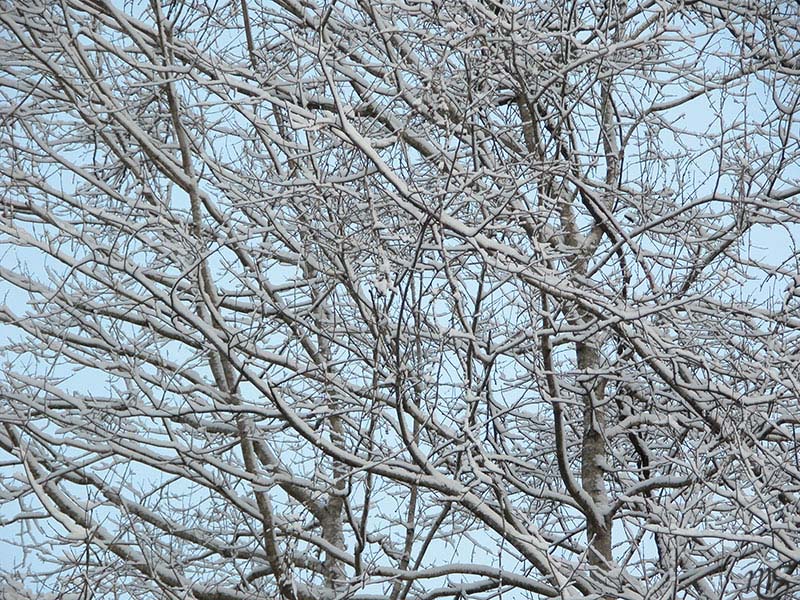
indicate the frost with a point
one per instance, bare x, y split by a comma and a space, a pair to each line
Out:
399, 299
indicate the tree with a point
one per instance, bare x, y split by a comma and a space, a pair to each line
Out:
401, 300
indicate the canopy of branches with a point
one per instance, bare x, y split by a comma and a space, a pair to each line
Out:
399, 299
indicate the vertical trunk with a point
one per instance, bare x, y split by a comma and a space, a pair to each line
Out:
593, 454
331, 520
593, 450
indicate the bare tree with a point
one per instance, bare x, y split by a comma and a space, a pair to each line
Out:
394, 299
